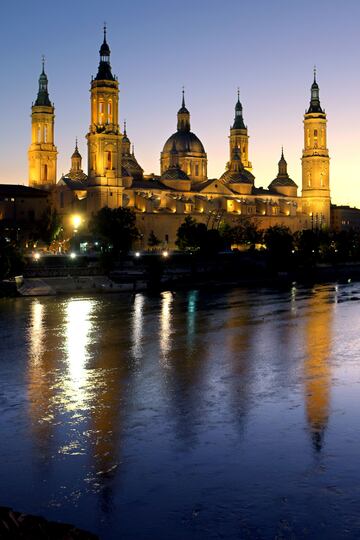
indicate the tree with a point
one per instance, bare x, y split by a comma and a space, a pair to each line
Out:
246, 233
153, 241
279, 242
116, 227
191, 235
47, 228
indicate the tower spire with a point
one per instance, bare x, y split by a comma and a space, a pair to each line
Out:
183, 123
43, 94
104, 71
315, 106
239, 120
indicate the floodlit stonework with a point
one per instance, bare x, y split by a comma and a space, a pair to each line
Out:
161, 202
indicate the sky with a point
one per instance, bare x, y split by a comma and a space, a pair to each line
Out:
267, 48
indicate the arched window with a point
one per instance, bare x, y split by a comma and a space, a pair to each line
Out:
101, 112
39, 133
45, 133
110, 111
45, 173
109, 160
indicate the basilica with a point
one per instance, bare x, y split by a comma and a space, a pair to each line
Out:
161, 202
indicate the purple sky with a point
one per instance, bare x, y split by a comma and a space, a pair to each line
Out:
266, 47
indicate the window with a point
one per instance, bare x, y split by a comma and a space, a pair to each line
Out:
166, 238
101, 112
308, 137
110, 111
45, 133
109, 160
39, 133
196, 170
45, 173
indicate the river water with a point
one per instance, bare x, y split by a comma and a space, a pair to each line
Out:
224, 414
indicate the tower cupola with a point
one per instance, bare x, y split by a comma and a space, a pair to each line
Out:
315, 98
239, 120
104, 72
43, 94
183, 116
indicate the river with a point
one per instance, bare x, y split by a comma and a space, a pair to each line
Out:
190, 415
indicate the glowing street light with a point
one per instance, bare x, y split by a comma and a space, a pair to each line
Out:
72, 255
76, 221
36, 256
137, 253
165, 254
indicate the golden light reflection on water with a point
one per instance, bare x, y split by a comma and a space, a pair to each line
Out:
77, 340
36, 334
317, 371
137, 326
165, 324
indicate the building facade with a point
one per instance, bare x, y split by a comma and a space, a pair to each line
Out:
161, 202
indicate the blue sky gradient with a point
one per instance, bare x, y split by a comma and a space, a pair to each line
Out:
266, 47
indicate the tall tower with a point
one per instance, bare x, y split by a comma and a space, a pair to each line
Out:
42, 154
104, 138
315, 164
239, 137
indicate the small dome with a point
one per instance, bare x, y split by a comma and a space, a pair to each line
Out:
237, 177
282, 181
185, 141
174, 173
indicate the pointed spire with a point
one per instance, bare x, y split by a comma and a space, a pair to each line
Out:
104, 71
282, 164
43, 94
239, 120
76, 152
315, 99
125, 134
183, 123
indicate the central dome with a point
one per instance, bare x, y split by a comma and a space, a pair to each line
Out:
185, 141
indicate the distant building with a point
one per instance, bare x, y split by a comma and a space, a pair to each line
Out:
345, 218
22, 203
161, 202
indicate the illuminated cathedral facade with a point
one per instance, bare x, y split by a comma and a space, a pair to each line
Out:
161, 202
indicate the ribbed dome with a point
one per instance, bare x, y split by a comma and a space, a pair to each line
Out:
237, 177
185, 141
174, 173
283, 181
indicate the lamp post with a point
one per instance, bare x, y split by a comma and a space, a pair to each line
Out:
76, 221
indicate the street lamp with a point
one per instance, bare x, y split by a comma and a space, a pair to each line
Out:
76, 221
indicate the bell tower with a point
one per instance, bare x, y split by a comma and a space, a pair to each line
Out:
42, 154
315, 164
104, 138
239, 137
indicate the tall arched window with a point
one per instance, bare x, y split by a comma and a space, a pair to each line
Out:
45, 133
110, 111
39, 133
109, 160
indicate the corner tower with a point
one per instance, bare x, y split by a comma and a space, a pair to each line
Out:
315, 163
104, 137
42, 154
239, 137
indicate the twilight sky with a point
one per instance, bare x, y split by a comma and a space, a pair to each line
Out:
266, 47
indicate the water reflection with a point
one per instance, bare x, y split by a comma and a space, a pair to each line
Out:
77, 342
137, 325
317, 371
36, 331
165, 325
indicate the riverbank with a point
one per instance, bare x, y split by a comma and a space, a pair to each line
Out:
178, 271
16, 525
